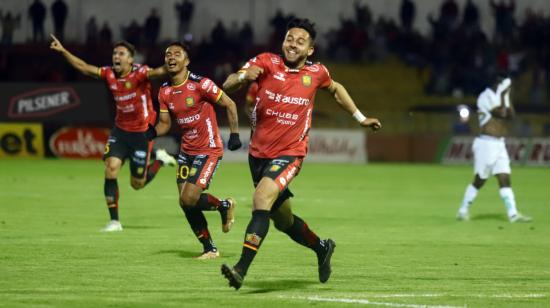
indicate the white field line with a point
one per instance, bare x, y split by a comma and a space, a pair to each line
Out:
503, 295
367, 302
364, 301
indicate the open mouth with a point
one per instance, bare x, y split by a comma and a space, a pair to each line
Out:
172, 64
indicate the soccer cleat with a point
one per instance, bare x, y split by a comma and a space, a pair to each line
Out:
208, 255
112, 226
228, 215
463, 216
235, 279
165, 158
519, 218
323, 260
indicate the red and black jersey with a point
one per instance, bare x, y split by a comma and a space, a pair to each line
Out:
284, 104
132, 95
190, 104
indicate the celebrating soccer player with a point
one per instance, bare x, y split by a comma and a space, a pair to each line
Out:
189, 99
131, 136
490, 155
282, 118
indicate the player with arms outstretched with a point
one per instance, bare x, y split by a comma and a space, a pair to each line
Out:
131, 136
281, 119
490, 155
189, 98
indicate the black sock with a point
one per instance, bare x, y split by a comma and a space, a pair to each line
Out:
255, 234
152, 170
110, 189
208, 202
198, 224
301, 234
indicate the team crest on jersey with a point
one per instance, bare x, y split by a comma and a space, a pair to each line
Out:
274, 168
128, 85
191, 86
306, 80
193, 171
189, 101
140, 170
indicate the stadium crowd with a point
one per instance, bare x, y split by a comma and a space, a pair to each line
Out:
459, 55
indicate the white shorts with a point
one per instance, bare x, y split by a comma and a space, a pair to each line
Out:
490, 156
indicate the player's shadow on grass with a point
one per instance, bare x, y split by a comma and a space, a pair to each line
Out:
139, 227
498, 217
278, 285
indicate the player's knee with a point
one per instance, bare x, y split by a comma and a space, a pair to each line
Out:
188, 200
262, 200
137, 184
111, 169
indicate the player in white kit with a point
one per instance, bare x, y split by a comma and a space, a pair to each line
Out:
490, 155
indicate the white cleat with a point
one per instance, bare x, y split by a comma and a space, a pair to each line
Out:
165, 158
463, 216
208, 255
112, 226
519, 218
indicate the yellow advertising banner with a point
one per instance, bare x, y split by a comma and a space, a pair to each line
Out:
21, 140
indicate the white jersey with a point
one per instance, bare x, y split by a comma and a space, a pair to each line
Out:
489, 100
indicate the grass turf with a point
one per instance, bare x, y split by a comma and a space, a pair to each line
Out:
398, 244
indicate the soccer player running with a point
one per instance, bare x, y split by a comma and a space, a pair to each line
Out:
189, 98
490, 155
282, 118
132, 134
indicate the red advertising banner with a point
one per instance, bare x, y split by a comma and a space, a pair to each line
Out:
79, 142
528, 151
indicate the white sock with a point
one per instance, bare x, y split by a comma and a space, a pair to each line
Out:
469, 196
509, 199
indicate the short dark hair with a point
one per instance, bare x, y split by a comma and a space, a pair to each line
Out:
303, 23
127, 45
183, 46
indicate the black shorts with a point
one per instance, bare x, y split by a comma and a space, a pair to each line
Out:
132, 145
197, 169
281, 169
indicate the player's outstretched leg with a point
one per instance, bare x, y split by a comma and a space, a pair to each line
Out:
110, 189
301, 234
199, 225
208, 202
255, 234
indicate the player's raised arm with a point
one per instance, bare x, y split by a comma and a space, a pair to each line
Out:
74, 61
236, 80
158, 72
345, 101
234, 142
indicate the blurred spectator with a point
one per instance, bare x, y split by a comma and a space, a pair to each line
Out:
505, 22
132, 33
59, 12
363, 16
407, 13
184, 11
9, 24
470, 18
152, 27
105, 35
92, 32
37, 13
448, 14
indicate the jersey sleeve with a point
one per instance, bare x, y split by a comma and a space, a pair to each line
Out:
141, 73
210, 91
163, 94
262, 60
252, 91
324, 77
102, 72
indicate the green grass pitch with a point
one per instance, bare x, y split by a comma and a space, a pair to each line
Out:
398, 244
